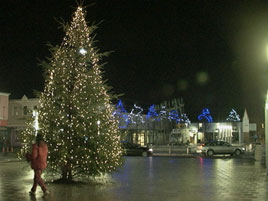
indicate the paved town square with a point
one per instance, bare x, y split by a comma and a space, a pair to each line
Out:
150, 179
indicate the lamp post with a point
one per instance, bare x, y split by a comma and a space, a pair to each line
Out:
266, 124
266, 132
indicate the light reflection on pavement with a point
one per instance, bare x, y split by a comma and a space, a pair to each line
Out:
150, 179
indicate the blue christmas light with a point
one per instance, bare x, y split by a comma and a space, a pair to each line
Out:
205, 115
121, 113
152, 113
174, 115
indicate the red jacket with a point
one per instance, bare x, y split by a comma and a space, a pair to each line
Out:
38, 157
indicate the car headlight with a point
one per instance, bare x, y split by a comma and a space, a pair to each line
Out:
243, 148
151, 150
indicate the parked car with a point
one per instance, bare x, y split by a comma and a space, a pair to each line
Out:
220, 147
131, 149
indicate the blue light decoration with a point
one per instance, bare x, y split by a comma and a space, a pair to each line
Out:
152, 114
174, 115
233, 116
135, 115
205, 115
121, 114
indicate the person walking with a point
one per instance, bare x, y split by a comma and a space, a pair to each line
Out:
38, 160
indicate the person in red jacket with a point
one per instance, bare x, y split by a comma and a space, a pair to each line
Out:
38, 160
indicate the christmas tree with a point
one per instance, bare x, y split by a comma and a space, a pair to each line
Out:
76, 113
233, 116
27, 136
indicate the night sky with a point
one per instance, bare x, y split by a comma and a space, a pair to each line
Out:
210, 53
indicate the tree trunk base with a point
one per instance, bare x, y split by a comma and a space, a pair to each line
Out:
64, 181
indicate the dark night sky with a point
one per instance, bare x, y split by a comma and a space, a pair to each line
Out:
210, 53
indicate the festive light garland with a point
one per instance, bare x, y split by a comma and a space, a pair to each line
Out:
233, 116
135, 115
205, 115
152, 114
121, 114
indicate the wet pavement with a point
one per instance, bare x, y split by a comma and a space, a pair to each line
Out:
151, 179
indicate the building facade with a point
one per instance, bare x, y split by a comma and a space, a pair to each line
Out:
4, 107
19, 110
138, 129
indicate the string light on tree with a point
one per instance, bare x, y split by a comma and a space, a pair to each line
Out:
174, 115
82, 51
163, 112
121, 115
98, 123
135, 115
76, 113
233, 116
184, 119
205, 115
152, 114
36, 124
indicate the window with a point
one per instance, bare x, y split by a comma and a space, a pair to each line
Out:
25, 110
15, 111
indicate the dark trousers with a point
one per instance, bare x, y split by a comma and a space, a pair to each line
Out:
38, 181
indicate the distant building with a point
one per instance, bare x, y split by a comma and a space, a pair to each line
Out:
4, 142
4, 98
232, 132
19, 110
136, 128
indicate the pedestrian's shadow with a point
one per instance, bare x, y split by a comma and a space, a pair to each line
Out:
33, 197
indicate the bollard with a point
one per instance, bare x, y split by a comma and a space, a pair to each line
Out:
258, 152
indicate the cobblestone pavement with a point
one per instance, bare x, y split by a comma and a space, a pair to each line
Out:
151, 179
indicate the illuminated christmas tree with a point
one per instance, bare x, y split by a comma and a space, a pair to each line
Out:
233, 116
76, 114
27, 136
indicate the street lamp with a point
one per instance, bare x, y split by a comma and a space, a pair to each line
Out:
266, 132
266, 125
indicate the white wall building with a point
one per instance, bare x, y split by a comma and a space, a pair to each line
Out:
19, 110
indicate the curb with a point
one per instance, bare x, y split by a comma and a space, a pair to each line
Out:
244, 156
10, 160
175, 155
10, 157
